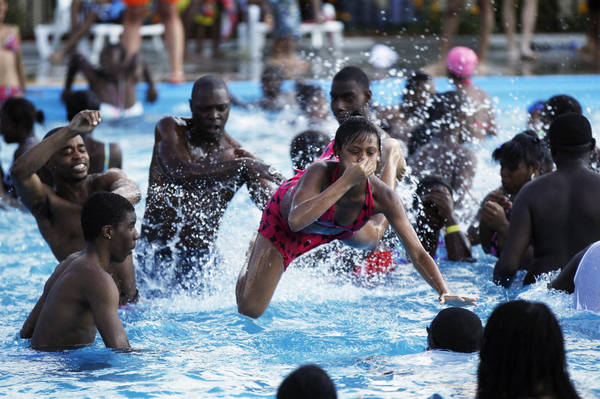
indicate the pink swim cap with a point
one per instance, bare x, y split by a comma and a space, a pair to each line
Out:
462, 61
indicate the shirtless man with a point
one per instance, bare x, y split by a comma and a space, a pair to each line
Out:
559, 212
114, 82
80, 297
196, 170
57, 209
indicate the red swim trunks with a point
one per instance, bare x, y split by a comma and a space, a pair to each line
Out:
293, 244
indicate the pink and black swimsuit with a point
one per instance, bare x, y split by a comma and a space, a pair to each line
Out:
293, 244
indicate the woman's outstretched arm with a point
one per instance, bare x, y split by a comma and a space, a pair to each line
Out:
390, 204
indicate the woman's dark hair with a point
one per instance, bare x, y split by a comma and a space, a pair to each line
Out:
525, 146
308, 381
101, 209
22, 113
306, 147
522, 354
353, 128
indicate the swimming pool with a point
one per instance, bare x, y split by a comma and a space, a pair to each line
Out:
369, 337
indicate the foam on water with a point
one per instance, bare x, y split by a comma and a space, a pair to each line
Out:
369, 336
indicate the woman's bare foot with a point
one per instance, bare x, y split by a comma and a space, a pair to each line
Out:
528, 55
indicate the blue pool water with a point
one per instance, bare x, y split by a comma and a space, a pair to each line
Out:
369, 337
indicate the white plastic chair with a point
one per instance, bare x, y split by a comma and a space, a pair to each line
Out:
48, 36
252, 35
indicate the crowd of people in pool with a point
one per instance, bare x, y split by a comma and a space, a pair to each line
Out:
544, 217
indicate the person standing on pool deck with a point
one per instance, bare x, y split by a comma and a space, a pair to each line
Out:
328, 201
196, 170
557, 213
136, 13
80, 297
57, 209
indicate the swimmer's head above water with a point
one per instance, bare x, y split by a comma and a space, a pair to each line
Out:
210, 105
350, 93
455, 329
17, 117
461, 63
71, 162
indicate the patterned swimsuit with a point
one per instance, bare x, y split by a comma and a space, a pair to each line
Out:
293, 244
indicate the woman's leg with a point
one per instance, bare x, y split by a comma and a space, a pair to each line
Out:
258, 278
528, 18
510, 27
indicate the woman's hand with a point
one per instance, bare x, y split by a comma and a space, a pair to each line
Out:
494, 216
448, 298
359, 171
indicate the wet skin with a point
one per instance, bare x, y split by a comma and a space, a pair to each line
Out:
80, 298
196, 170
58, 209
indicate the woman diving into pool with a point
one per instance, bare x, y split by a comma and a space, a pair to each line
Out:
329, 201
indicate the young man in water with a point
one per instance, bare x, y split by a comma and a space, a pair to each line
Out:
57, 209
559, 212
196, 170
351, 95
80, 297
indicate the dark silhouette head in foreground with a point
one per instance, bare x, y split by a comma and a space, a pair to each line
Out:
523, 355
455, 329
307, 382
306, 146
81, 100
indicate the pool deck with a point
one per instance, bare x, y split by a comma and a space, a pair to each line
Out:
557, 55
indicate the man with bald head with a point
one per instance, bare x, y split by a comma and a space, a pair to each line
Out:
196, 170
559, 212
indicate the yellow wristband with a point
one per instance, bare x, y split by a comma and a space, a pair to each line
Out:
452, 229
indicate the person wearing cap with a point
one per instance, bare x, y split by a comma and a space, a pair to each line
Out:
455, 329
534, 117
558, 213
450, 23
460, 65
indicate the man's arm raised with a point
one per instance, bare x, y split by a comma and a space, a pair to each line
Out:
27, 183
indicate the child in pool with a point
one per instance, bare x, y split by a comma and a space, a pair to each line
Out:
17, 117
329, 201
12, 71
114, 82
